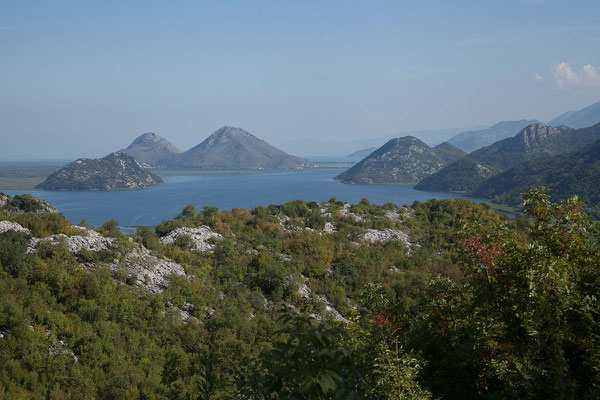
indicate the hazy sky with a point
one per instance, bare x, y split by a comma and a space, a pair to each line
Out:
83, 79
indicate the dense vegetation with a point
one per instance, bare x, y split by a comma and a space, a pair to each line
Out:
463, 175
565, 174
480, 307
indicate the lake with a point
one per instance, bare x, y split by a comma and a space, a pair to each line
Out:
222, 190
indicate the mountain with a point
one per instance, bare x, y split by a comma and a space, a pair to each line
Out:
116, 171
401, 160
587, 116
536, 140
234, 148
574, 173
360, 154
473, 140
460, 176
152, 150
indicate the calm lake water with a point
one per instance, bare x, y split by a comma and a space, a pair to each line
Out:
223, 190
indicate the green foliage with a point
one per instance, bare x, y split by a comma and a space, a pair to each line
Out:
483, 307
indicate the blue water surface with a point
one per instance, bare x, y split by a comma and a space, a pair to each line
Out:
223, 190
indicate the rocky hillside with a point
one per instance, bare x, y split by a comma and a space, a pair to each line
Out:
536, 140
587, 116
152, 151
575, 173
234, 148
116, 171
401, 161
472, 140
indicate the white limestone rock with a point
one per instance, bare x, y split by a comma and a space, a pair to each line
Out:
8, 225
151, 273
386, 235
202, 237
91, 240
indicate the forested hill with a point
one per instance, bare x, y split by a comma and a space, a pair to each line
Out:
301, 300
565, 175
534, 141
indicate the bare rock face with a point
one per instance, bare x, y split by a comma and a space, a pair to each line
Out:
3, 200
7, 226
201, 237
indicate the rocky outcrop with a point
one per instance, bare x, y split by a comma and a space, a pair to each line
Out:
202, 237
25, 203
150, 272
90, 240
386, 235
117, 171
7, 226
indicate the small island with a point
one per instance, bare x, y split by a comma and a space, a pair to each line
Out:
116, 171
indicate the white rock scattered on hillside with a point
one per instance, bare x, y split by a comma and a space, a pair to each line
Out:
329, 227
152, 273
386, 235
345, 211
8, 225
305, 292
3, 200
91, 241
201, 237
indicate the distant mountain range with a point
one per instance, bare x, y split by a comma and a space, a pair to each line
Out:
227, 148
473, 140
116, 171
534, 141
567, 174
360, 154
401, 161
587, 116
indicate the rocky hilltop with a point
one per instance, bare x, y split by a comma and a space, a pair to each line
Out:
152, 150
116, 171
472, 140
400, 161
234, 148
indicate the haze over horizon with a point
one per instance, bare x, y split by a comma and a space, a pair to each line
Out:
82, 80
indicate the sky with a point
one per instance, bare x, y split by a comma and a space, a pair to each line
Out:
83, 78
